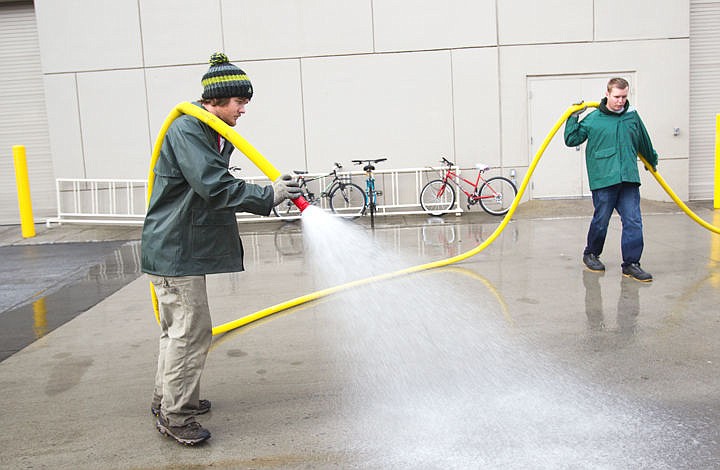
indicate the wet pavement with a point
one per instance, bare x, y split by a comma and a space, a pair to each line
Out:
71, 278
514, 358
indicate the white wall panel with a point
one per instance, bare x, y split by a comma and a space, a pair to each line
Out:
530, 21
294, 28
675, 172
273, 123
641, 19
476, 106
64, 118
404, 25
113, 113
397, 106
88, 35
180, 31
168, 86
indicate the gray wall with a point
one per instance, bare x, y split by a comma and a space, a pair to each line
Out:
336, 80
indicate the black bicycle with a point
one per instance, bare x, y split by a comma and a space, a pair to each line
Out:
344, 196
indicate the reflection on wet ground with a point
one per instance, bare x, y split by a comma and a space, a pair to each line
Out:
45, 286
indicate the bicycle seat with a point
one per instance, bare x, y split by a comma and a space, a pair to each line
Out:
370, 160
482, 166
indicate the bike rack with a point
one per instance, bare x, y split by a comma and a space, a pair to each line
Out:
123, 201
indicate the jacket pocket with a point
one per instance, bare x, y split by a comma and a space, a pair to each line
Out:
214, 233
605, 153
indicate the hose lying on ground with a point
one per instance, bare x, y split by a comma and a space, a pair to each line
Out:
244, 146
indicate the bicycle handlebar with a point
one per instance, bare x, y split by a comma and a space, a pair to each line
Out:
338, 166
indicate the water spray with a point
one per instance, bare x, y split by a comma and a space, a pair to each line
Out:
244, 146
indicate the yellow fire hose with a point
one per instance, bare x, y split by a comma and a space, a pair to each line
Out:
271, 172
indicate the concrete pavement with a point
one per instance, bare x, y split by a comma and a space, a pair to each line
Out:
513, 358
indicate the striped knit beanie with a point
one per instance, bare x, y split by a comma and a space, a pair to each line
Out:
224, 80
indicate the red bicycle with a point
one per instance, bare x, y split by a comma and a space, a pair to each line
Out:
495, 195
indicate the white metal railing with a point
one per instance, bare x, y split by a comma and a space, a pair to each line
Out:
115, 201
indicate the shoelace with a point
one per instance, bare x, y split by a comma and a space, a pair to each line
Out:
192, 426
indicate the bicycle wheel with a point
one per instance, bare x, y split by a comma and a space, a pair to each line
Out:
497, 195
437, 197
289, 239
348, 199
289, 209
286, 209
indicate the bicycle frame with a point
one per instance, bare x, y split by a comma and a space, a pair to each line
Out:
371, 193
370, 188
452, 176
336, 180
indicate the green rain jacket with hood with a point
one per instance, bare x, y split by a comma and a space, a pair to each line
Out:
614, 140
190, 228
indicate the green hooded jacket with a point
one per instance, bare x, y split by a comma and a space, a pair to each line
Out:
190, 227
613, 142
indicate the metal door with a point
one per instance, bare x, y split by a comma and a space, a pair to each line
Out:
561, 171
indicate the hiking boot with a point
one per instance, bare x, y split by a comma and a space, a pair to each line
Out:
189, 434
634, 271
593, 263
203, 408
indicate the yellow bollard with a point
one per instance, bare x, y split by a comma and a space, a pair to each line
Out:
716, 198
23, 189
40, 318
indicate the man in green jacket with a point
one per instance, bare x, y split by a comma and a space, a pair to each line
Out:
615, 134
190, 230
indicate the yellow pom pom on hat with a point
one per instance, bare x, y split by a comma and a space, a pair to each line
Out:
224, 80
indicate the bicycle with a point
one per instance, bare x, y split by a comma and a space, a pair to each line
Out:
342, 194
495, 195
371, 193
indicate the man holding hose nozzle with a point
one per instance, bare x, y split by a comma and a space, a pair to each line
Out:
615, 134
190, 231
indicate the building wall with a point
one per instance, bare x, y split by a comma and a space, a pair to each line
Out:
406, 79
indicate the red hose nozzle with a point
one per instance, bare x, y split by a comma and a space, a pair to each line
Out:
301, 203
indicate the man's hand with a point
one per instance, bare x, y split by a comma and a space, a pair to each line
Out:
581, 110
285, 187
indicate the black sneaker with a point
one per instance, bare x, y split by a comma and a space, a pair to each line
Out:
204, 408
190, 434
634, 271
593, 263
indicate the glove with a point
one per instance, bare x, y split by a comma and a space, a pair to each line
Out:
285, 187
581, 110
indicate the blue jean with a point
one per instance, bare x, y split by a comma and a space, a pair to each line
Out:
625, 199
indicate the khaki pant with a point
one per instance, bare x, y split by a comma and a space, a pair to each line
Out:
184, 344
